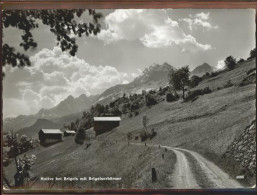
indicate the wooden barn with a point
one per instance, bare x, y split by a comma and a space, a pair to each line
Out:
104, 124
47, 136
69, 132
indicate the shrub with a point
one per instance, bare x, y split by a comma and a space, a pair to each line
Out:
80, 136
23, 167
143, 135
240, 60
115, 111
112, 104
219, 88
170, 97
150, 100
193, 94
213, 74
206, 90
206, 75
134, 106
195, 80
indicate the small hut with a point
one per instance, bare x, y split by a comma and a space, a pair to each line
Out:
104, 124
69, 133
47, 136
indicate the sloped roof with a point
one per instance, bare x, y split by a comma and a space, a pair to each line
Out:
70, 131
113, 118
52, 131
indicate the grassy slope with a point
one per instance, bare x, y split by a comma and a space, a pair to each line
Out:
102, 159
207, 125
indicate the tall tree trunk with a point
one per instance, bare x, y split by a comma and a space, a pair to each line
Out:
183, 89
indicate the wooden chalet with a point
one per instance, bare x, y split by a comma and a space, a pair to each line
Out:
47, 136
104, 124
69, 132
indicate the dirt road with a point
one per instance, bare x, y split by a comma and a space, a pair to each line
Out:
193, 171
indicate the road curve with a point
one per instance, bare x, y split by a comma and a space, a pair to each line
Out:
193, 171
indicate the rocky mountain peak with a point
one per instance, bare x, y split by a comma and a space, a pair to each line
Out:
202, 69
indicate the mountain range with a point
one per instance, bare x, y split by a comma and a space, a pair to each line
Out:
68, 110
65, 112
152, 77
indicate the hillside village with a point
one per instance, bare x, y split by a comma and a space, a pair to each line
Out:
217, 112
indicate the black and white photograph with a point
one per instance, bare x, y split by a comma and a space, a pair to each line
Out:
128, 99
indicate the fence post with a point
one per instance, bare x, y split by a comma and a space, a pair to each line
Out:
154, 176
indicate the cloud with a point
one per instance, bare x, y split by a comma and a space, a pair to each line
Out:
153, 28
221, 64
13, 107
203, 16
54, 75
199, 20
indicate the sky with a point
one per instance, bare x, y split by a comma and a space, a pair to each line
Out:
130, 41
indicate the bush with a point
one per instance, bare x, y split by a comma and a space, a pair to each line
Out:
214, 74
193, 94
130, 115
80, 136
150, 100
194, 81
206, 75
134, 106
170, 97
206, 90
143, 136
116, 112
240, 60
219, 88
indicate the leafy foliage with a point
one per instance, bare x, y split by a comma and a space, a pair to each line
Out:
23, 174
80, 135
192, 95
230, 62
143, 135
18, 146
170, 97
194, 81
240, 60
150, 100
62, 24
23, 164
252, 53
179, 79
116, 112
